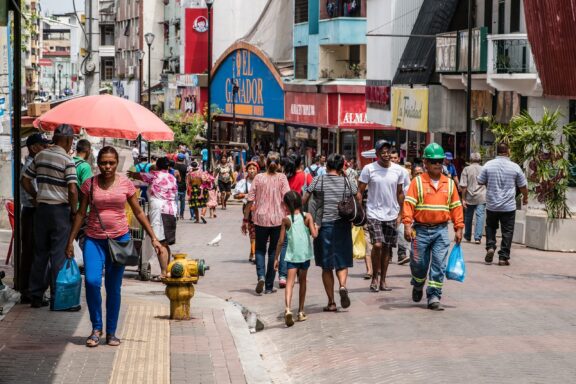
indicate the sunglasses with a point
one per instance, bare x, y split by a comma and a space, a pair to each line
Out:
436, 161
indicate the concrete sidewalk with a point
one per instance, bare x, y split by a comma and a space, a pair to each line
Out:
38, 346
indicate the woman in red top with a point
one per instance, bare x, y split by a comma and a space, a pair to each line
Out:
110, 193
298, 180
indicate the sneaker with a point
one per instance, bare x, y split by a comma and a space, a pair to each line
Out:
302, 316
489, 256
467, 239
417, 294
288, 318
260, 286
282, 283
37, 302
435, 306
503, 262
477, 241
269, 291
405, 259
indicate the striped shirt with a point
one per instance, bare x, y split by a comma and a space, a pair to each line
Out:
267, 192
501, 177
333, 187
53, 170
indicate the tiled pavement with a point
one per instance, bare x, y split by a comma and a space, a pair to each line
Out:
512, 324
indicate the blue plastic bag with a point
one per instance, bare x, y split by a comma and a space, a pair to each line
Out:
456, 269
68, 286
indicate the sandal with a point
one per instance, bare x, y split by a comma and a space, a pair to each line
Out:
288, 318
331, 307
94, 339
157, 279
112, 340
367, 276
344, 298
374, 287
302, 316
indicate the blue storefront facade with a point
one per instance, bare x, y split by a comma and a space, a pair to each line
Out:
246, 81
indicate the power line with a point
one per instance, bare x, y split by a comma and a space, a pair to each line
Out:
393, 20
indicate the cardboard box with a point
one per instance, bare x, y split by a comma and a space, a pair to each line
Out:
37, 109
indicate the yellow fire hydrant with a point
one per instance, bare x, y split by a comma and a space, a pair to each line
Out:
183, 274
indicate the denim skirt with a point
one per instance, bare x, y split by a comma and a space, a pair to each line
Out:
333, 246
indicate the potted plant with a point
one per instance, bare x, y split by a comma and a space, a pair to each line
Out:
541, 147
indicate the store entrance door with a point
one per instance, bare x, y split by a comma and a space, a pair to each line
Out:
349, 146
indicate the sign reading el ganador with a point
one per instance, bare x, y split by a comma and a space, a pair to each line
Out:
410, 108
259, 94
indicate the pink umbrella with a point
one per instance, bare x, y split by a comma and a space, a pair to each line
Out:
106, 116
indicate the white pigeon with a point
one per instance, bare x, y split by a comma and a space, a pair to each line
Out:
215, 241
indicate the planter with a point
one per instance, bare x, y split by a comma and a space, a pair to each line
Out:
550, 234
520, 227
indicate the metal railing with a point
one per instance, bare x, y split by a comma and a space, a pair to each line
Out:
512, 54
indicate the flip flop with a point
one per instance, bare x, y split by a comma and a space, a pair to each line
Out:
374, 288
344, 298
330, 308
367, 276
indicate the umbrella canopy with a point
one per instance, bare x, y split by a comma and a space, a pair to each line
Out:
106, 116
369, 154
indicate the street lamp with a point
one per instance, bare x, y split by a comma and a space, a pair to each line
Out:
149, 40
209, 4
59, 80
66, 77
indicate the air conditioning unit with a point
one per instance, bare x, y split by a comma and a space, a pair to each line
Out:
131, 70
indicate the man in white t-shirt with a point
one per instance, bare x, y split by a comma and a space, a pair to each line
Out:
403, 245
384, 180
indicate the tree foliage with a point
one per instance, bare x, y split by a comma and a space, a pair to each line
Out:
541, 148
186, 128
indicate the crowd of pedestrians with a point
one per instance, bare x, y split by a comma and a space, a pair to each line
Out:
292, 213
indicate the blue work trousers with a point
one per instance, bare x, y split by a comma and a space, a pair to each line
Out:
429, 254
479, 210
96, 258
181, 201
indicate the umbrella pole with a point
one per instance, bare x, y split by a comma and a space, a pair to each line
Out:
149, 145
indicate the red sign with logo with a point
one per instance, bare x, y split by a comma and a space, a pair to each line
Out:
352, 112
196, 43
306, 108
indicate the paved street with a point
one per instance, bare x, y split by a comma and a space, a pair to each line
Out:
512, 324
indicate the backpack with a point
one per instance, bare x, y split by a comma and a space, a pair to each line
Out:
314, 172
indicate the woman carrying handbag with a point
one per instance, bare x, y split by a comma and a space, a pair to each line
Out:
333, 246
107, 195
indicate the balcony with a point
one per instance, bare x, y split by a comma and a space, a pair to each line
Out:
511, 65
342, 30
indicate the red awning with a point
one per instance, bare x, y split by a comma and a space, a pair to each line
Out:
45, 62
552, 34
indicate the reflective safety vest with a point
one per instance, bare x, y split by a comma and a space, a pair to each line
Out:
428, 205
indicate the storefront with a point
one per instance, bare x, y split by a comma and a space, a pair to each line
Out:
306, 113
248, 95
410, 114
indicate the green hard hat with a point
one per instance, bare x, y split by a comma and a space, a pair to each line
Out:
434, 151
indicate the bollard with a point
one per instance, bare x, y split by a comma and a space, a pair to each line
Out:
183, 274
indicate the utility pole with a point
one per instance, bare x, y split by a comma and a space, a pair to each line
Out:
469, 86
91, 64
16, 139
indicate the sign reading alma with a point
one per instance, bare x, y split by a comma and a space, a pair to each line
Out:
258, 93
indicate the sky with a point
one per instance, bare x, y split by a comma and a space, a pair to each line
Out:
60, 6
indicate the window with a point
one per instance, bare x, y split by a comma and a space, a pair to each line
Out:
107, 34
301, 63
107, 69
354, 54
501, 18
301, 11
515, 16
127, 28
488, 15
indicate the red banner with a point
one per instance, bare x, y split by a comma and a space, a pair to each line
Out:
306, 108
196, 40
352, 112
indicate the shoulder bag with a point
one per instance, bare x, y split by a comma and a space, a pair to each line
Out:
348, 207
316, 203
121, 252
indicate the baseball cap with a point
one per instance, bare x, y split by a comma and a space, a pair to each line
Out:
381, 144
64, 130
449, 156
36, 139
181, 156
